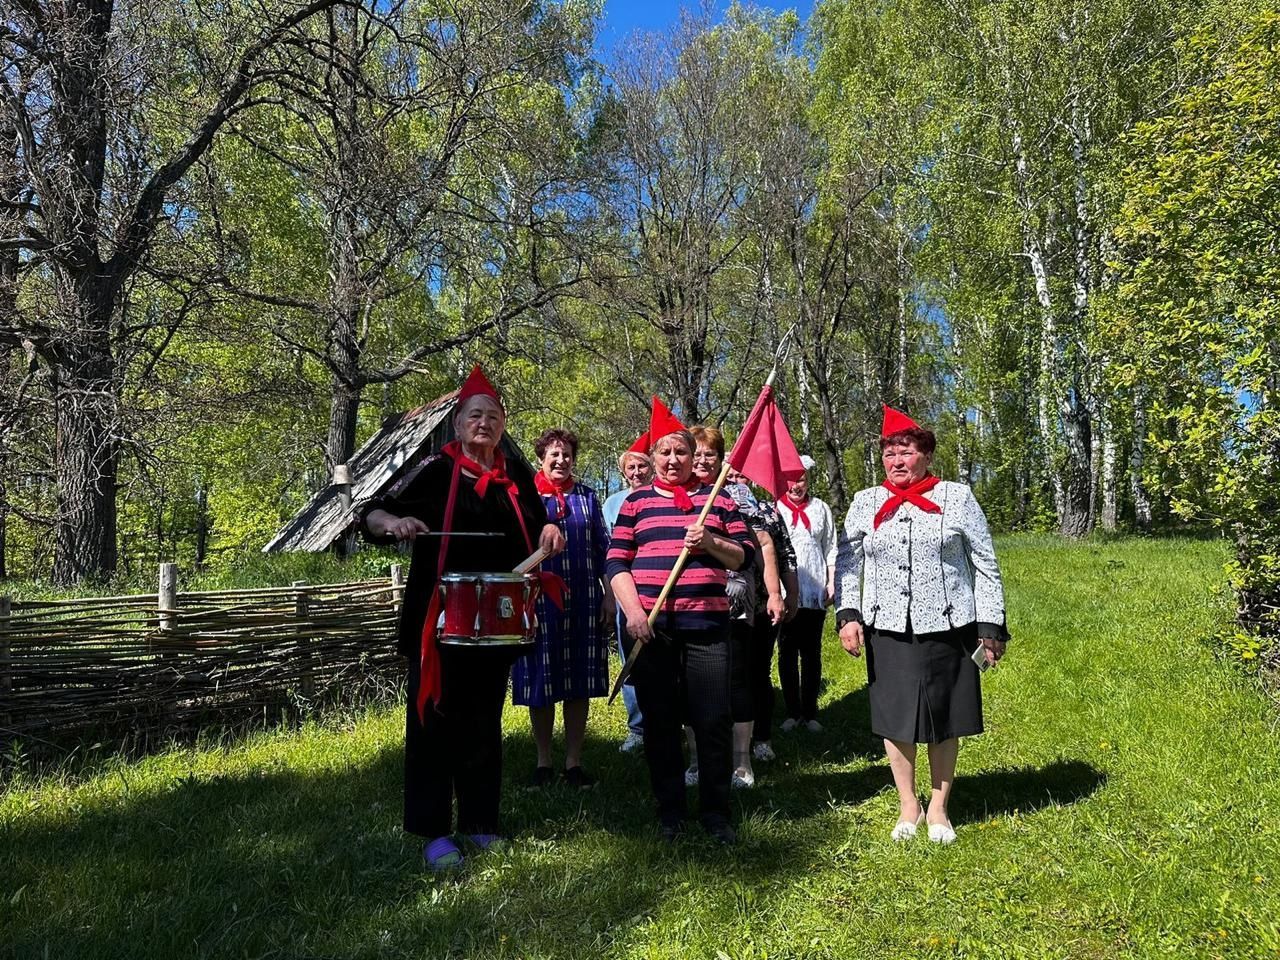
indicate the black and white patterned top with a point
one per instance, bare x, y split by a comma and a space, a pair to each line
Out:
937, 569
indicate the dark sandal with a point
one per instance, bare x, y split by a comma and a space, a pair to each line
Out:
490, 841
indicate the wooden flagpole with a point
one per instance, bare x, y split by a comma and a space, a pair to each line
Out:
684, 552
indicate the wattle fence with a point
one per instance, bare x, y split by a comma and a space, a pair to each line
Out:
153, 662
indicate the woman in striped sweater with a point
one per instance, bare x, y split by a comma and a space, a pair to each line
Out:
683, 675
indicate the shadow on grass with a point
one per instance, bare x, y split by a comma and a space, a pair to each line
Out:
314, 863
992, 793
278, 863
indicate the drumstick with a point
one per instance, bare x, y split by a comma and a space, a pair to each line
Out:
531, 561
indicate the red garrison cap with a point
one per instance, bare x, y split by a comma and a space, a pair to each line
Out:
662, 422
641, 445
895, 421
478, 385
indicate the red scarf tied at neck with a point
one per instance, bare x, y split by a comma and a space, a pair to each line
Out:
495, 474
799, 511
548, 488
680, 492
912, 494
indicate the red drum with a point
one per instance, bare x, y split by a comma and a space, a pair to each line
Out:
488, 609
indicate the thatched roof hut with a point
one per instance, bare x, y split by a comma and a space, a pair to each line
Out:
392, 454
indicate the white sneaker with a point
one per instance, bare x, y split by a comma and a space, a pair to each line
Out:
813, 726
789, 724
691, 776
743, 780
632, 743
942, 833
762, 751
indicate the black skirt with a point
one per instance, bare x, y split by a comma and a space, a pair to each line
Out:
924, 688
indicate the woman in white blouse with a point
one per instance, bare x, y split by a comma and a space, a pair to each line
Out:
813, 535
920, 586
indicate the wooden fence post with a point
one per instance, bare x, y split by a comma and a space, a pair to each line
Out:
397, 586
6, 662
301, 609
167, 596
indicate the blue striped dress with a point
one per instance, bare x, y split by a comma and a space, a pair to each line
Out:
571, 659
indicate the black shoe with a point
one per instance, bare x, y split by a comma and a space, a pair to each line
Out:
671, 831
578, 778
721, 830
542, 777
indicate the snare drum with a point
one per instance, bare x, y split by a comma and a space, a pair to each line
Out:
488, 609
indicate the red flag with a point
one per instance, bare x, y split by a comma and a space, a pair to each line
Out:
764, 451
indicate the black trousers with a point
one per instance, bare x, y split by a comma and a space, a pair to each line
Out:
764, 636
741, 695
685, 679
456, 751
800, 663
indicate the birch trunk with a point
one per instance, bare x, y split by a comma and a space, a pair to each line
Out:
1137, 463
1049, 373
1110, 499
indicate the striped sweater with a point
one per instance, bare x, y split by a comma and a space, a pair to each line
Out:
647, 539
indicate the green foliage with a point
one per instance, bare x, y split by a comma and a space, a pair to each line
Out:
1194, 312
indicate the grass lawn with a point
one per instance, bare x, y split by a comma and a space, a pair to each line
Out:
1125, 802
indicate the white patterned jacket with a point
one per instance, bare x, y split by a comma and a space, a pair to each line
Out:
939, 569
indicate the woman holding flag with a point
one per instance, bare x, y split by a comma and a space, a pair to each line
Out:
453, 730
680, 613
919, 585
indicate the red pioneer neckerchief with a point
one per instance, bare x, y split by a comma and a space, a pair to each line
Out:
679, 492
913, 494
549, 488
429, 681
799, 511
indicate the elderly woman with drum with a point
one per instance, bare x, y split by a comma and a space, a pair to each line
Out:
570, 663
919, 586
683, 671
470, 522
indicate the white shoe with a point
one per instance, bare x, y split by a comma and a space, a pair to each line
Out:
942, 833
904, 830
743, 781
789, 724
691, 776
813, 726
632, 743
762, 751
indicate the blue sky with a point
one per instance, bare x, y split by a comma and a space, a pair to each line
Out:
622, 17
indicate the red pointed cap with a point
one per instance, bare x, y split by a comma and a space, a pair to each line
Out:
662, 422
895, 421
478, 385
641, 445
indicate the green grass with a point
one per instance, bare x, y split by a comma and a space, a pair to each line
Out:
1123, 803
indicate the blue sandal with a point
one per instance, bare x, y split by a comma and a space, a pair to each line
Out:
442, 854
490, 841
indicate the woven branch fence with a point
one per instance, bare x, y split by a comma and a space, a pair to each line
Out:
155, 661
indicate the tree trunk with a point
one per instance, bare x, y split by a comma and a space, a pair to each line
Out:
1076, 518
901, 371
86, 464
1046, 382
831, 438
202, 525
347, 295
1110, 498
1137, 463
